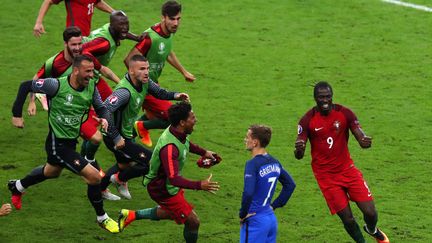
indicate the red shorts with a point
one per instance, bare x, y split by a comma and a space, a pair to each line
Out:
156, 108
176, 206
103, 88
338, 189
90, 126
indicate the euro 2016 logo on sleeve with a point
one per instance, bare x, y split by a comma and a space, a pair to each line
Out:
69, 99
39, 83
299, 129
113, 100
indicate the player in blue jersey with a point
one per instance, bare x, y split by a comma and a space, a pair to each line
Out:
257, 219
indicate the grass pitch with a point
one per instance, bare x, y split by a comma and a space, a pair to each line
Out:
255, 62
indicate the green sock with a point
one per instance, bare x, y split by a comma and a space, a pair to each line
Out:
90, 150
148, 213
355, 232
156, 124
191, 236
83, 147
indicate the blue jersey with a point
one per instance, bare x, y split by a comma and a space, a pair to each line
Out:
260, 178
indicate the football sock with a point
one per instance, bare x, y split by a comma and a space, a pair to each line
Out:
106, 179
36, 176
156, 124
19, 186
91, 149
371, 222
101, 218
133, 172
354, 231
83, 147
191, 236
95, 197
148, 213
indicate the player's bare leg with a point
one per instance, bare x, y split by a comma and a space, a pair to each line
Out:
370, 216
350, 224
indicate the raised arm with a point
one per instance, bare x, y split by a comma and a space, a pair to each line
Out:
103, 6
173, 60
39, 29
163, 94
108, 73
47, 86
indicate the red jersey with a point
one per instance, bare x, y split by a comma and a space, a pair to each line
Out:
60, 65
328, 137
79, 13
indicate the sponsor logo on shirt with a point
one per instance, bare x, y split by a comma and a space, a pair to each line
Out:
68, 120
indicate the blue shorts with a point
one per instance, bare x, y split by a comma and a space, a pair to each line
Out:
259, 228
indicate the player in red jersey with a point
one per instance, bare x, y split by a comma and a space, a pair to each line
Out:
327, 127
79, 13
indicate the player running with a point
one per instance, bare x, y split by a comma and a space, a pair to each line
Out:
327, 126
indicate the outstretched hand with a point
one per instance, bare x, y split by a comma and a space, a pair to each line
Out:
210, 186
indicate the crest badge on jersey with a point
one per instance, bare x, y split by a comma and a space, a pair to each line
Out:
113, 100
161, 48
40, 82
69, 98
299, 129
337, 125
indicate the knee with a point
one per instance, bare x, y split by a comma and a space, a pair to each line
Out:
193, 223
371, 214
94, 179
96, 138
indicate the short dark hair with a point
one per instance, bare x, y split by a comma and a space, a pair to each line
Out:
179, 112
322, 85
79, 59
117, 14
71, 31
171, 8
137, 58
262, 133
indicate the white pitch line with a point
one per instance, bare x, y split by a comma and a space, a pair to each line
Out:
409, 5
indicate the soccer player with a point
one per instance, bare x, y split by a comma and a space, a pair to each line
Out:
257, 218
79, 13
157, 47
60, 65
327, 126
164, 182
70, 98
125, 104
5, 209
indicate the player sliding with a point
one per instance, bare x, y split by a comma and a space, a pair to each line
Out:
164, 181
327, 126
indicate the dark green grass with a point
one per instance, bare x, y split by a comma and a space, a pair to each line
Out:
255, 62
